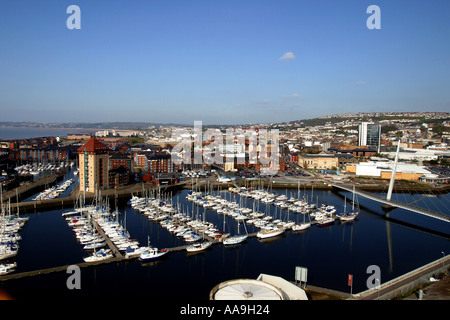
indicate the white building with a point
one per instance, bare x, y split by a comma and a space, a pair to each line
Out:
376, 168
369, 135
417, 154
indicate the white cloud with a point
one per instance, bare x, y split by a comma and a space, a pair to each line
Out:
288, 56
360, 82
294, 95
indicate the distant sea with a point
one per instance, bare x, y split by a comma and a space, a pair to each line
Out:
8, 133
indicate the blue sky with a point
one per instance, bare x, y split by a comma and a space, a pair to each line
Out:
219, 60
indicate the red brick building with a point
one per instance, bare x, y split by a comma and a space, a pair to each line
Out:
156, 162
119, 159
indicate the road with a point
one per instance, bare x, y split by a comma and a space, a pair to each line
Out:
396, 287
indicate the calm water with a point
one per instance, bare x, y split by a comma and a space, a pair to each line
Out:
26, 133
330, 253
68, 175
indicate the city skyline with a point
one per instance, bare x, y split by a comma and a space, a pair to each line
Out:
231, 62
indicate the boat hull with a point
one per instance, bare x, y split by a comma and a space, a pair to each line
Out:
153, 256
199, 247
234, 240
299, 227
269, 234
347, 218
325, 222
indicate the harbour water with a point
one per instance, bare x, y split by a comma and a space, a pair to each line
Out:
330, 253
7, 133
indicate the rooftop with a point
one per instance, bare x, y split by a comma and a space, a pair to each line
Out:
93, 145
119, 156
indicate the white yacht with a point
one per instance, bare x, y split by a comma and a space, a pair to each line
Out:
6, 268
7, 252
301, 226
199, 246
347, 216
95, 245
268, 233
235, 240
152, 253
134, 252
99, 256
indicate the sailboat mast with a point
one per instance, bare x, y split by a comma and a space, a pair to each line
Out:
17, 200
353, 200
1, 197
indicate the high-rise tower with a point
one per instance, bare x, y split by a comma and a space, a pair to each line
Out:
93, 164
369, 135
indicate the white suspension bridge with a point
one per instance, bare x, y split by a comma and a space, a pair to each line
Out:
393, 203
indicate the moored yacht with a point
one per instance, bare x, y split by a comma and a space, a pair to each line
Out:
235, 239
199, 246
350, 216
326, 221
100, 255
268, 233
301, 226
152, 253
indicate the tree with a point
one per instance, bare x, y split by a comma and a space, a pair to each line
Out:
389, 127
136, 140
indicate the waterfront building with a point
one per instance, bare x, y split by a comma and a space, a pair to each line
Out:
119, 159
161, 163
119, 170
43, 149
79, 136
369, 135
141, 160
156, 162
318, 161
93, 160
118, 177
383, 170
363, 152
410, 154
46, 153
4, 159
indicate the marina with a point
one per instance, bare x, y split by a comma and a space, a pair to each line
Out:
197, 152
194, 222
159, 221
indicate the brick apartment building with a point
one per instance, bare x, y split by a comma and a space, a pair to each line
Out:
119, 169
156, 162
118, 159
43, 154
93, 165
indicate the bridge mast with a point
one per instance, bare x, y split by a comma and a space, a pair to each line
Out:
394, 171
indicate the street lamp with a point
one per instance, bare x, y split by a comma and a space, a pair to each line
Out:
443, 256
